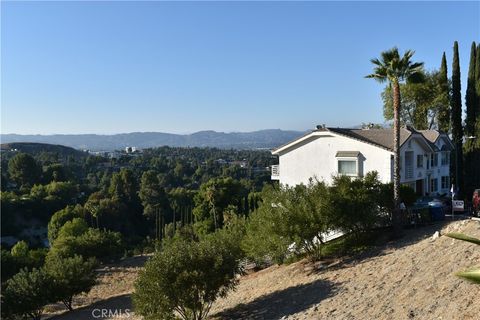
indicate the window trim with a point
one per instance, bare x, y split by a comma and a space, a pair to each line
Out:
433, 185
420, 156
350, 159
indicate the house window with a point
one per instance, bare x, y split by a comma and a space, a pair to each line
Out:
434, 185
433, 159
419, 160
445, 159
445, 182
347, 167
408, 164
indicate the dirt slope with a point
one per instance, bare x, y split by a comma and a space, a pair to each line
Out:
410, 279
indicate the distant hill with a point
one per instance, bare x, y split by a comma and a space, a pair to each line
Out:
238, 140
32, 147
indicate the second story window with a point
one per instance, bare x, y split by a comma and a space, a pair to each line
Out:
419, 160
408, 164
433, 159
445, 159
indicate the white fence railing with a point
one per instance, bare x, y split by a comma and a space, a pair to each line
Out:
275, 170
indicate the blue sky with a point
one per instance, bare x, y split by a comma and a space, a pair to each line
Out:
110, 67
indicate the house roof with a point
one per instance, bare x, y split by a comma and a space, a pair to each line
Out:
433, 135
382, 138
430, 135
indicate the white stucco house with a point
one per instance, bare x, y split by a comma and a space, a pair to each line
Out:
327, 152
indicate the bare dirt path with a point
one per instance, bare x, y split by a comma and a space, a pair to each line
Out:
412, 278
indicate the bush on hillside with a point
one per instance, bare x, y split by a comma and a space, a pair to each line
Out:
186, 276
294, 219
70, 276
21, 257
355, 202
385, 199
289, 219
26, 294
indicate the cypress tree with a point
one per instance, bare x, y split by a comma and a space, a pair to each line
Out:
471, 96
471, 100
477, 91
457, 129
444, 109
476, 141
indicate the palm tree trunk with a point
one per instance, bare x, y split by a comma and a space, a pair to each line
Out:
396, 219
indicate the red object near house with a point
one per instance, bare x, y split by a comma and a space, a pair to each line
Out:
476, 201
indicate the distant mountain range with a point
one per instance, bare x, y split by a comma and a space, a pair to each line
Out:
238, 140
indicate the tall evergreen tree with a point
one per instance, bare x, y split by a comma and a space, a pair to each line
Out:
477, 91
444, 109
457, 129
470, 149
471, 97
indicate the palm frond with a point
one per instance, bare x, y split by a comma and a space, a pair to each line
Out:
395, 68
472, 275
376, 62
463, 237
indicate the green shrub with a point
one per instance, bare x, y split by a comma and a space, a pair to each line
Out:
20, 249
76, 238
26, 294
385, 198
186, 276
21, 257
70, 276
289, 219
293, 220
355, 202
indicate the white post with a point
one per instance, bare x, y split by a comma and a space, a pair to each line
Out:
452, 200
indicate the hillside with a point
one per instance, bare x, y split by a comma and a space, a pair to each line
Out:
237, 140
412, 278
30, 147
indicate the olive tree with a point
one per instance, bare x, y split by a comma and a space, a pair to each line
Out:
70, 276
187, 276
289, 220
26, 294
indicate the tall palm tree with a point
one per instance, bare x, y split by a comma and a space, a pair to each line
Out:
394, 69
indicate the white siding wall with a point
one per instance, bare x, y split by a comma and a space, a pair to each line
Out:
441, 170
317, 158
418, 173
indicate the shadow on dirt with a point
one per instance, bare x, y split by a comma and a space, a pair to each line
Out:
281, 303
118, 307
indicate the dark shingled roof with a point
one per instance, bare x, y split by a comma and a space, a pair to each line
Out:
382, 138
379, 137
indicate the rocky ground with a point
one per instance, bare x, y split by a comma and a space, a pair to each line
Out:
412, 278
